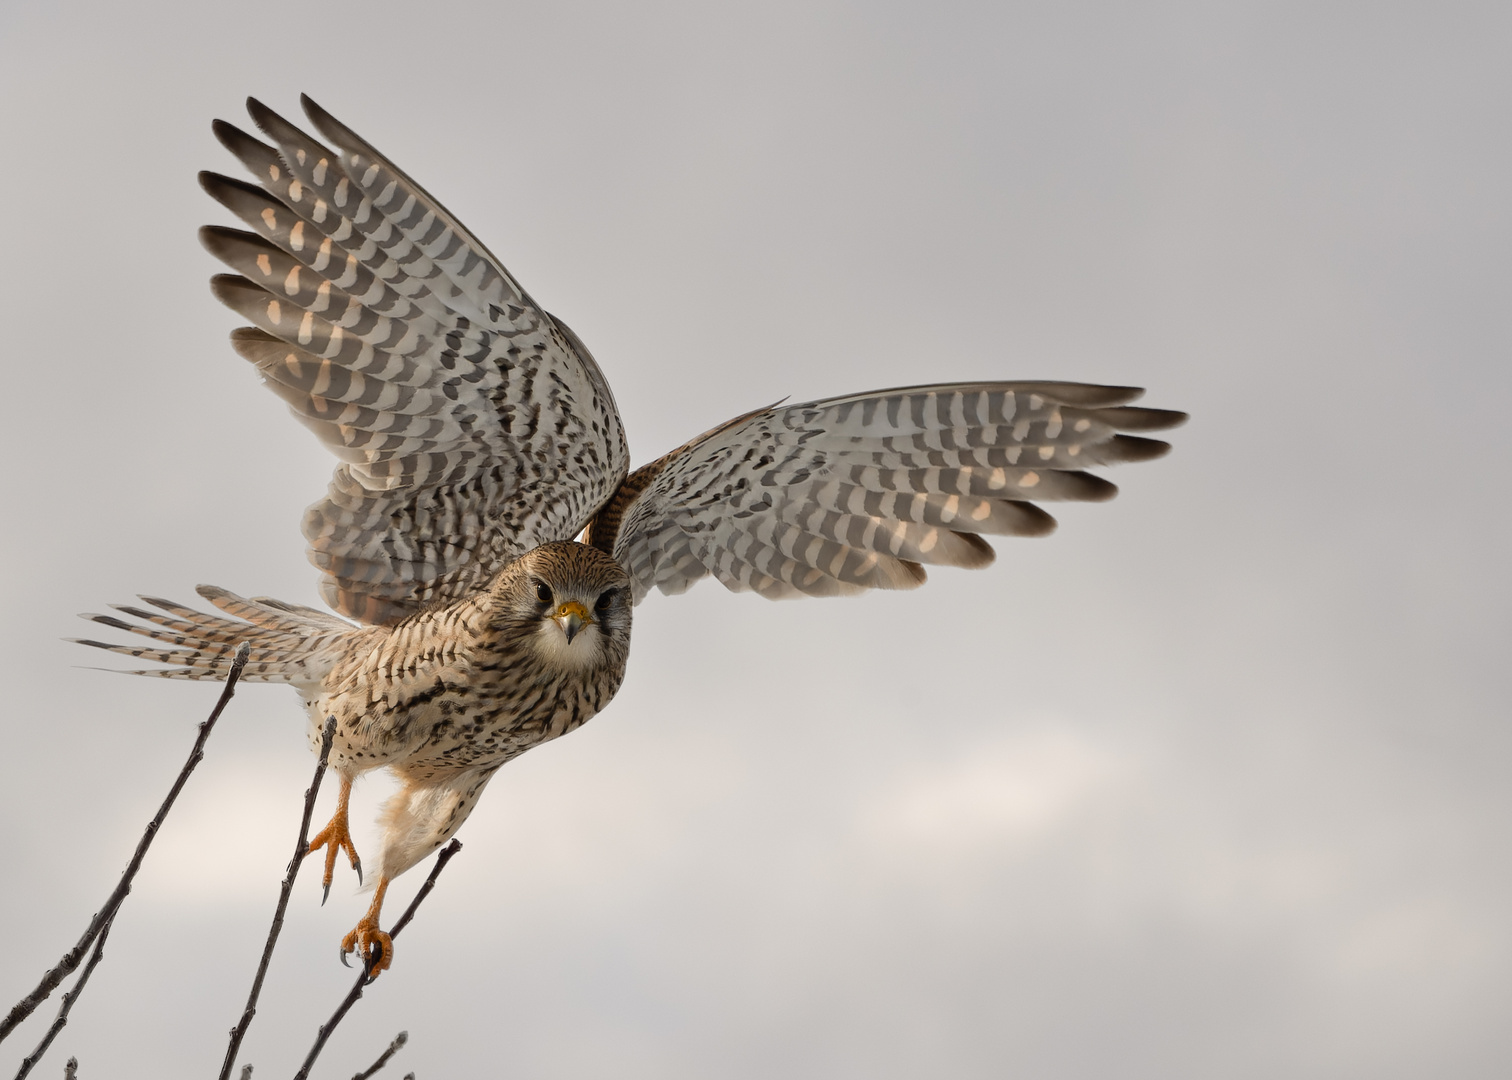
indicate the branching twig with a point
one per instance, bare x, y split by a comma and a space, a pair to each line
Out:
69, 997
300, 851
103, 917
363, 979
394, 1048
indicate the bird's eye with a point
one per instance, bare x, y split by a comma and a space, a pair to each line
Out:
543, 592
605, 599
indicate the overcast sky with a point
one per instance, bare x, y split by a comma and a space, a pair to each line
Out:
1212, 783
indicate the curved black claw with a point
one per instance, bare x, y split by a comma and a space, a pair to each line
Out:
326, 894
344, 962
357, 866
373, 963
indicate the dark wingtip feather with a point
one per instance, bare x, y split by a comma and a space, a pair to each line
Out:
1035, 520
327, 124
236, 139
220, 240
1109, 493
1087, 395
1134, 448
169, 606
92, 644
253, 344
237, 248
230, 289
275, 126
109, 620
261, 115
225, 189
136, 612
314, 110
1089, 487
985, 554
1127, 393
1140, 419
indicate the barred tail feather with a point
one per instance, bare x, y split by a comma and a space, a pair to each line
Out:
291, 644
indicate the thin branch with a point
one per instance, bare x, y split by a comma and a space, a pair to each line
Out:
246, 1073
367, 975
71, 1069
394, 1048
103, 917
301, 849
69, 997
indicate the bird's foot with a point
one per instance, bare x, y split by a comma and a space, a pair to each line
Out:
377, 947
335, 837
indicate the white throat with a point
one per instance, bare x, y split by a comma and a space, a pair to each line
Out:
581, 653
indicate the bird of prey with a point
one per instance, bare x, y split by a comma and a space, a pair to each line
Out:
483, 541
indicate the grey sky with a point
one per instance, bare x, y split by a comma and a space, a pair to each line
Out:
1211, 783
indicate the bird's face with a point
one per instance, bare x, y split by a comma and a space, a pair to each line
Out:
573, 604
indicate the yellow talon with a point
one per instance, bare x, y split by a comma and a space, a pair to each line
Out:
366, 936
335, 837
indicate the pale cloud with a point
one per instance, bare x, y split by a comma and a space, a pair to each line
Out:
1013, 794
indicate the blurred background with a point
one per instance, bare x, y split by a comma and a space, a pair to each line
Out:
1214, 782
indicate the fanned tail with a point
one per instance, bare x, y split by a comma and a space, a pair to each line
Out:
291, 644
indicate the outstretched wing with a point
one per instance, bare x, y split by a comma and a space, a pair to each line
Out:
471, 425
833, 497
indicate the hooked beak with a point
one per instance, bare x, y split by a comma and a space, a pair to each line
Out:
572, 617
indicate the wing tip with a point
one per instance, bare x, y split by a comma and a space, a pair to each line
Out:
1034, 520
231, 288
1142, 418
1134, 448
982, 555
330, 127
261, 115
107, 620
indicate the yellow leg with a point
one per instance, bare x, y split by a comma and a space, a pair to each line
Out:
367, 935
335, 837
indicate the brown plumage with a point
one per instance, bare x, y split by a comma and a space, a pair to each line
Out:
477, 437
442, 698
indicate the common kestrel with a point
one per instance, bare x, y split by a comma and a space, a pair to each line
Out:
478, 438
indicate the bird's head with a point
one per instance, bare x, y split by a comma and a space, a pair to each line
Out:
571, 603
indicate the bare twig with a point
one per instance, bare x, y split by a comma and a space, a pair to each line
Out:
300, 851
71, 1069
246, 1073
69, 997
394, 1048
103, 917
367, 975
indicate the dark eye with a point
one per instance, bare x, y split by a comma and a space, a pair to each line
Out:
605, 599
543, 592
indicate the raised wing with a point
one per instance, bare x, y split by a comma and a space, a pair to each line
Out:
471, 425
833, 497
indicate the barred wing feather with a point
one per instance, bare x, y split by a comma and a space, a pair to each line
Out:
832, 497
471, 425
